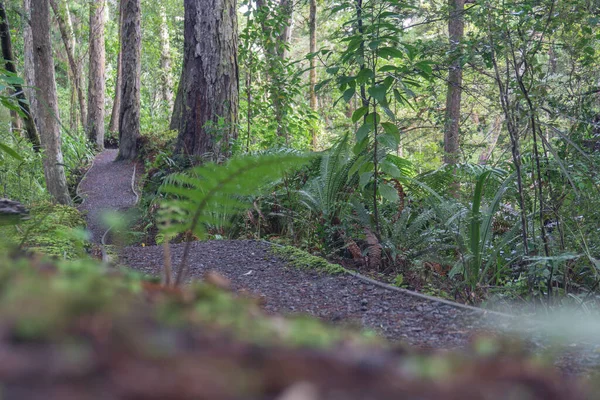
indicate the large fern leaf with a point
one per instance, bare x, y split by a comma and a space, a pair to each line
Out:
205, 193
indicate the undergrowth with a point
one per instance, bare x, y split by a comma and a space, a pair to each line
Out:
51, 229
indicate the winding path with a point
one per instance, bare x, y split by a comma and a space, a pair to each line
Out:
342, 299
105, 187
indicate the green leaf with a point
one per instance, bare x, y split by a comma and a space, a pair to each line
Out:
365, 178
364, 75
390, 169
378, 92
359, 113
390, 128
388, 192
349, 93
10, 152
389, 140
363, 131
390, 52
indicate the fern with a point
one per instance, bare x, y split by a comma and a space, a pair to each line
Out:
203, 195
327, 194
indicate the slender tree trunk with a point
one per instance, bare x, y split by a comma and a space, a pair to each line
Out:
165, 61
175, 124
491, 139
29, 71
113, 125
28, 59
456, 29
7, 54
286, 7
312, 25
131, 49
96, 88
48, 121
210, 81
67, 35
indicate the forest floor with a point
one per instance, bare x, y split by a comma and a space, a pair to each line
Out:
252, 266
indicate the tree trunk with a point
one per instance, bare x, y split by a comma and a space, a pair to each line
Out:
175, 124
312, 25
66, 33
7, 54
113, 125
96, 88
491, 140
28, 60
286, 7
456, 29
165, 61
48, 121
210, 81
131, 49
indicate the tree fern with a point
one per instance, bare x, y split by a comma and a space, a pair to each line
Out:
205, 193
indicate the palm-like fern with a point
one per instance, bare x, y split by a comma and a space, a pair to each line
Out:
327, 193
204, 194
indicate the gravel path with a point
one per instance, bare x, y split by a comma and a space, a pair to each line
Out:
251, 266
106, 187
343, 299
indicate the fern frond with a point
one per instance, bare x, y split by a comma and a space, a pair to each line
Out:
207, 192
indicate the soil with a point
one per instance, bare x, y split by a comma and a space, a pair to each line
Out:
105, 187
342, 299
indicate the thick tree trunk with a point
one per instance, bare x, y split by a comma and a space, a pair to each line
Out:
456, 29
97, 86
66, 33
113, 125
131, 49
312, 27
7, 54
48, 118
165, 61
210, 82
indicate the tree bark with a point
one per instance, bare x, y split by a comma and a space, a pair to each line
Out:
492, 140
9, 59
48, 118
28, 59
66, 33
210, 81
97, 85
113, 125
456, 29
165, 61
312, 25
175, 124
286, 7
131, 49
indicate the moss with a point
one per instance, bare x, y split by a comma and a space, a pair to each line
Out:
42, 300
52, 229
303, 260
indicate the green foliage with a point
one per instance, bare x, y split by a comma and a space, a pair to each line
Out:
206, 191
42, 300
52, 229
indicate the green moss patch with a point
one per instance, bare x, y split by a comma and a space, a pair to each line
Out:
44, 300
52, 229
303, 260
